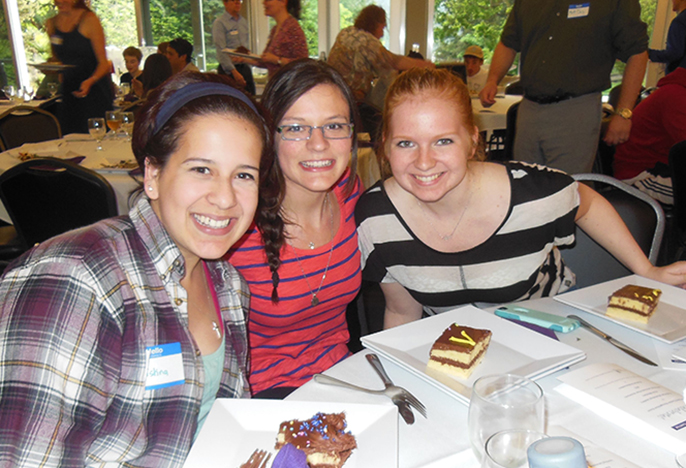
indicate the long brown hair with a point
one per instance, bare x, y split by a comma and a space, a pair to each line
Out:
282, 91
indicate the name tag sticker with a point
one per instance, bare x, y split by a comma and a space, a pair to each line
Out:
163, 366
56, 40
579, 10
234, 32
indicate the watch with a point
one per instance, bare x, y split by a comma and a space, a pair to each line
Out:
624, 113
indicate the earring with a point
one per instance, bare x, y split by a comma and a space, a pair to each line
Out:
149, 189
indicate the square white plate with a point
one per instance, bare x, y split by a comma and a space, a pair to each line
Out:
668, 323
236, 427
513, 349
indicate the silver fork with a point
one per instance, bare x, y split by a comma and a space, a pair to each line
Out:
258, 459
393, 392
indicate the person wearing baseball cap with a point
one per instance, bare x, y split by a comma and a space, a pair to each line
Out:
476, 74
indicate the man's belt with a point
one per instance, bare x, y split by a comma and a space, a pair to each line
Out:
549, 99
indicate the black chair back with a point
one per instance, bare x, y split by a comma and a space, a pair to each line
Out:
26, 124
515, 88
643, 216
510, 131
46, 197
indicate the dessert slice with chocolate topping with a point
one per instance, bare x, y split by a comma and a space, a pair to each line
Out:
323, 438
634, 303
459, 350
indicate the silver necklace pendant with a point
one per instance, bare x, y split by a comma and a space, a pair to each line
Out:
311, 245
215, 328
315, 300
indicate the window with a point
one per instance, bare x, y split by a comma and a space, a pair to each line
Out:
461, 23
7, 74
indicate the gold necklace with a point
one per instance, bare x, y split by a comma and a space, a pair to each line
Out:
315, 299
459, 220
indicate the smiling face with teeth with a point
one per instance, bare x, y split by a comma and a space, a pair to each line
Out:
315, 165
206, 193
429, 146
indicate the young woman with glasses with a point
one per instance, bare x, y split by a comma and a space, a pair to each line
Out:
301, 259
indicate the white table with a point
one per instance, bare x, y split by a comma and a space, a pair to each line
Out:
114, 150
7, 104
441, 441
494, 117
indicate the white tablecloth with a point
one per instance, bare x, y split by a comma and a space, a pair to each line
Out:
494, 117
6, 104
441, 441
114, 150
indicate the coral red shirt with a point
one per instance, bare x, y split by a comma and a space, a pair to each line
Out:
293, 340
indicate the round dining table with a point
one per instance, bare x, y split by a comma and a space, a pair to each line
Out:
115, 161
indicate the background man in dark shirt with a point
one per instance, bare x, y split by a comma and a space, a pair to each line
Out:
567, 54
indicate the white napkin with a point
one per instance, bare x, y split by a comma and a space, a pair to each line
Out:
44, 148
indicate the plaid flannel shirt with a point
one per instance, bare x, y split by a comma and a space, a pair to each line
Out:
76, 316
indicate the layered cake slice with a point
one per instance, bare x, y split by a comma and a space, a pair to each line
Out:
633, 303
459, 350
323, 438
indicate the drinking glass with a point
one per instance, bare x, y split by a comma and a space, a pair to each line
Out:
9, 91
28, 93
508, 449
127, 119
125, 89
113, 121
96, 127
503, 401
53, 88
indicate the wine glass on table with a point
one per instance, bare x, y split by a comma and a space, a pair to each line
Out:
97, 129
9, 92
29, 92
127, 119
52, 89
125, 89
113, 121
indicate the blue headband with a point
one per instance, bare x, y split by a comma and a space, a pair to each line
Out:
194, 91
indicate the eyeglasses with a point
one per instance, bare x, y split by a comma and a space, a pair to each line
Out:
332, 131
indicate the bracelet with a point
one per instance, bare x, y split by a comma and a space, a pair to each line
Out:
279, 61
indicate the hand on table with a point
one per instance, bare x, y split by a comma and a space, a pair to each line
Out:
487, 94
618, 131
674, 274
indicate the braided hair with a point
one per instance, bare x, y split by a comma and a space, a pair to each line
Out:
283, 90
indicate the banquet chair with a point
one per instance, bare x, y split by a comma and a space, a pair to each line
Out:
26, 124
514, 88
510, 131
643, 216
677, 166
46, 197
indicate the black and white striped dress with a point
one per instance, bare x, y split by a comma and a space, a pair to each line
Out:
520, 261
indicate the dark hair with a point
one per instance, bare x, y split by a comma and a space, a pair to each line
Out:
182, 47
156, 71
282, 91
158, 146
293, 8
162, 47
425, 81
133, 52
81, 4
369, 18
